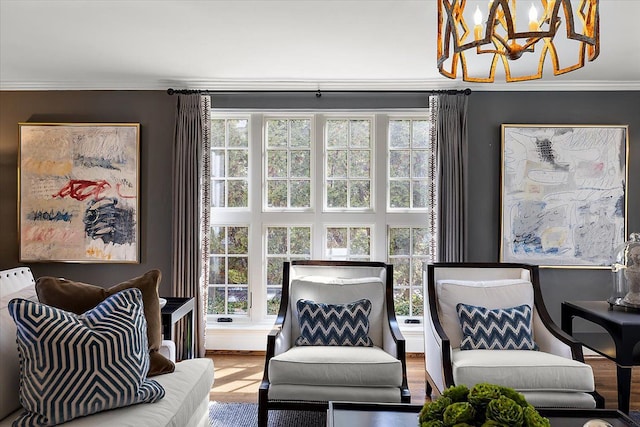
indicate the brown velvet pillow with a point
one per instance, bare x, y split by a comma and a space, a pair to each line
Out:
78, 297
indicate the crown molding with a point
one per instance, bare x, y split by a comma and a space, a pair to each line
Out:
326, 85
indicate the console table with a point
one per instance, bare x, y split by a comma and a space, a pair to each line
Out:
175, 309
623, 327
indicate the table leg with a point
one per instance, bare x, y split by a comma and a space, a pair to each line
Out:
624, 388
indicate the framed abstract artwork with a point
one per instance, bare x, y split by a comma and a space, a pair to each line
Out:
563, 194
79, 192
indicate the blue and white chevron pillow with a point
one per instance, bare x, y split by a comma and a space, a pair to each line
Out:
334, 324
76, 365
498, 329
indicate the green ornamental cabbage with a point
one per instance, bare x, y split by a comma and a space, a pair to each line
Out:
457, 393
434, 410
515, 396
482, 393
505, 410
459, 412
532, 418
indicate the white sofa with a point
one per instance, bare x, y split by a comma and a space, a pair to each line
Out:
186, 389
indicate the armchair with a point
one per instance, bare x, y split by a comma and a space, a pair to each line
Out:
307, 377
553, 376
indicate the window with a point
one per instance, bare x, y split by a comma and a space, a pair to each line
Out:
347, 185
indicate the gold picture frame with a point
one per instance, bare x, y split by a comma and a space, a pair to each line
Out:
563, 194
78, 192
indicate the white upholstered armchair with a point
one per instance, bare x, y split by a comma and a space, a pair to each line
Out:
302, 374
547, 367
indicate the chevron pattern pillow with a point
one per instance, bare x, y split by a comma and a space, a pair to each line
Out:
498, 329
334, 324
76, 365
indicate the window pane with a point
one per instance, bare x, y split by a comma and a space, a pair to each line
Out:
401, 273
238, 270
337, 164
420, 194
274, 296
399, 241
420, 134
276, 240
216, 300
238, 193
277, 164
337, 133
360, 164
301, 240
401, 301
301, 133
217, 163
421, 238
277, 133
417, 302
300, 164
217, 270
217, 240
337, 238
399, 164
360, 243
217, 193
399, 133
277, 194
360, 196
360, 136
238, 133
238, 240
399, 194
420, 163
238, 163
337, 194
238, 300
300, 194
218, 133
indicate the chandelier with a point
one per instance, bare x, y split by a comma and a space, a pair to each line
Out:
505, 37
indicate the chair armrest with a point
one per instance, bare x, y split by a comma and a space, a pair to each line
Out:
551, 339
437, 347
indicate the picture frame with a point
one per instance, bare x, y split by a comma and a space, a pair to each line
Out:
563, 194
79, 192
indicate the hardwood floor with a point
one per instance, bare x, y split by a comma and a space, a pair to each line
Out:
238, 375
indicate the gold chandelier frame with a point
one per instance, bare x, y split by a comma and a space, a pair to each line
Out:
498, 36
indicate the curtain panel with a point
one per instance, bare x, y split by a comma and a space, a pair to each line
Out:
190, 215
452, 186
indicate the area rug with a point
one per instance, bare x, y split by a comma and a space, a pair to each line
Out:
635, 416
246, 415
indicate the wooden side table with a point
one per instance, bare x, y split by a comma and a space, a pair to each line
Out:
175, 309
622, 326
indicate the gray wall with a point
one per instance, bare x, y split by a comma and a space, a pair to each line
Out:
154, 110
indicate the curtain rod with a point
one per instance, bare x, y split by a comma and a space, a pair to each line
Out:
318, 92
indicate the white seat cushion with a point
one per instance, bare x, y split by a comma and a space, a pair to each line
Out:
523, 370
336, 366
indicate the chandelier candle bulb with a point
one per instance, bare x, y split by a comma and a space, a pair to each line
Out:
477, 18
533, 18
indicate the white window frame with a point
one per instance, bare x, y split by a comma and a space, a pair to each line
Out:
378, 217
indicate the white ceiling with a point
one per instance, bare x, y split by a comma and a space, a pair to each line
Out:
264, 44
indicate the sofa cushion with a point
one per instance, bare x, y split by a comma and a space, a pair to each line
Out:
483, 293
10, 361
72, 366
78, 297
522, 370
334, 324
336, 366
497, 329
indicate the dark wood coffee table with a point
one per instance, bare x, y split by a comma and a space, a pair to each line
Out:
360, 414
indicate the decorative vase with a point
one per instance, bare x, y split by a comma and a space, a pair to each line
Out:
626, 274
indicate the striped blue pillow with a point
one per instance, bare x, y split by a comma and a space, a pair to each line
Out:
498, 329
72, 366
334, 324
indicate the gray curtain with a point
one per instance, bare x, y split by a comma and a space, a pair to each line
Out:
452, 185
191, 139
